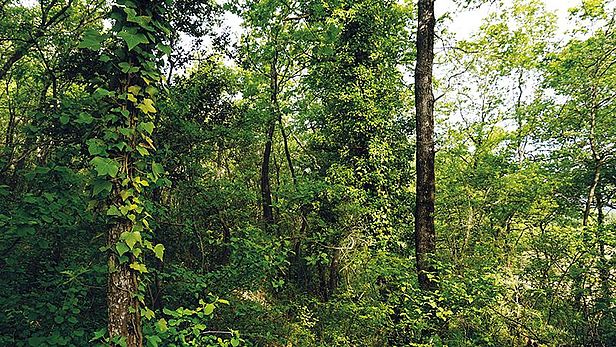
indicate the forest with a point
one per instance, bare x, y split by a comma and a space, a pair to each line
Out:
308, 173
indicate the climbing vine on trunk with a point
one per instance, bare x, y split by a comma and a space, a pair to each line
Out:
121, 150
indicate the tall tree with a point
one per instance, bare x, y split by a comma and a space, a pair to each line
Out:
425, 235
121, 154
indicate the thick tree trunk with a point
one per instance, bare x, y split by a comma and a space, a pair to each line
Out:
121, 290
425, 238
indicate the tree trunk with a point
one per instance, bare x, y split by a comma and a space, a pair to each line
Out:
425, 238
598, 161
591, 193
266, 190
121, 290
604, 264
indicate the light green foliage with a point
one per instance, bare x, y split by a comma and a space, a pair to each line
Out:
129, 125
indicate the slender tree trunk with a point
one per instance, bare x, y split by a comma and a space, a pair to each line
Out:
334, 272
604, 265
9, 149
287, 152
425, 238
591, 193
597, 161
266, 189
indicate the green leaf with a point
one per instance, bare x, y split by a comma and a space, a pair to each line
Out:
127, 68
131, 238
100, 186
161, 325
25, 230
144, 152
153, 340
37, 341
105, 166
147, 313
235, 342
96, 147
157, 169
143, 21
122, 248
133, 38
209, 308
134, 90
147, 106
164, 48
84, 118
113, 211
138, 267
99, 334
91, 40
159, 249
147, 126
124, 194
101, 93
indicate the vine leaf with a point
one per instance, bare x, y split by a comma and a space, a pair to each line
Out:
91, 40
122, 248
105, 166
147, 126
157, 169
132, 38
100, 186
159, 249
147, 106
96, 147
138, 267
209, 308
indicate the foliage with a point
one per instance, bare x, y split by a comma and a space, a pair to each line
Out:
145, 117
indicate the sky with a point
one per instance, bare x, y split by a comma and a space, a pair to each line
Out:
464, 23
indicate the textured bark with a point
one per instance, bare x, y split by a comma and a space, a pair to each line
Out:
266, 190
121, 289
425, 238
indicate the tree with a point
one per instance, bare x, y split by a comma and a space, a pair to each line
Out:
122, 165
425, 235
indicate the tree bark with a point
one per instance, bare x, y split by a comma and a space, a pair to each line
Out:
598, 161
604, 264
591, 193
121, 290
425, 237
266, 190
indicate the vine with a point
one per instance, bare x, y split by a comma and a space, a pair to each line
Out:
122, 164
